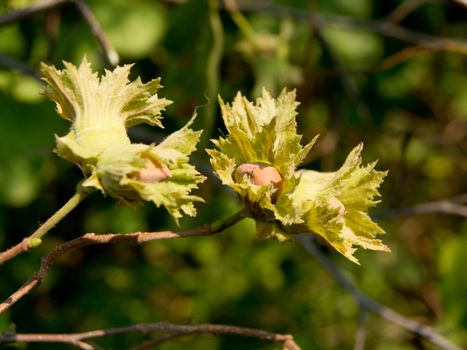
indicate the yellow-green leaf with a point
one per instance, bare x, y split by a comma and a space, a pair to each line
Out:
263, 135
99, 108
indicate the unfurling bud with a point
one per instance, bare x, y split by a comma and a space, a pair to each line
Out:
152, 173
334, 203
101, 109
258, 159
259, 174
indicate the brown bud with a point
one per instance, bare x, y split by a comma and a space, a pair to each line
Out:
334, 203
152, 173
259, 174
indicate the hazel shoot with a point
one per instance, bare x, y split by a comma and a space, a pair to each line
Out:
259, 159
100, 110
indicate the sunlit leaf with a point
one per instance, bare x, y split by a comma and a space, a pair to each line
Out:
263, 136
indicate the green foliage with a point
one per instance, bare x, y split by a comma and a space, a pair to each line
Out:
354, 46
137, 34
452, 261
415, 127
269, 55
27, 164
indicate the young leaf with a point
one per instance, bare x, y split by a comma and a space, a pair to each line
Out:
99, 108
338, 204
259, 160
160, 174
100, 111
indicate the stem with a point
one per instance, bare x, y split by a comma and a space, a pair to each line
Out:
79, 195
110, 238
172, 330
212, 69
35, 238
18, 15
369, 304
109, 52
240, 20
221, 225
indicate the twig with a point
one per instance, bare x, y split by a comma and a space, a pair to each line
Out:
150, 344
13, 64
52, 31
387, 63
110, 238
184, 330
360, 336
109, 51
404, 9
461, 2
212, 70
402, 56
34, 239
78, 339
240, 20
444, 206
40, 6
48, 5
369, 304
385, 28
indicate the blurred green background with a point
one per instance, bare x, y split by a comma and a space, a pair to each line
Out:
408, 105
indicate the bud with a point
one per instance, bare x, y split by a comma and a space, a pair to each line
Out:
259, 174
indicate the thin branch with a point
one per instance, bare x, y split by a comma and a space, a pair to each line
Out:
444, 206
461, 2
386, 28
13, 64
360, 336
369, 304
52, 31
109, 51
213, 69
382, 27
387, 63
402, 56
404, 9
174, 330
35, 239
240, 21
150, 344
40, 6
110, 238
48, 5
